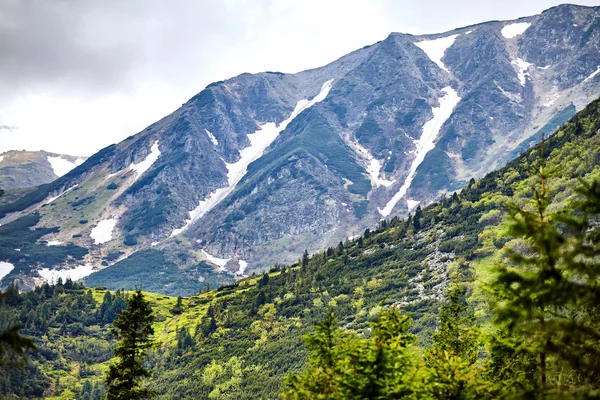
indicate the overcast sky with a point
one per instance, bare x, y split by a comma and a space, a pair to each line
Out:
78, 75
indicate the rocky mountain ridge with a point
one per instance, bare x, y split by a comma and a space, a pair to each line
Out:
255, 169
22, 169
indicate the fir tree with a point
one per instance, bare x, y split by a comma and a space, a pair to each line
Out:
12, 342
417, 219
184, 340
453, 373
178, 309
547, 295
457, 332
352, 367
320, 380
305, 261
133, 329
264, 280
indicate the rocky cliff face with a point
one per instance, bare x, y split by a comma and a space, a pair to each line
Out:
254, 169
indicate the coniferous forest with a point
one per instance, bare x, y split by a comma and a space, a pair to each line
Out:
490, 292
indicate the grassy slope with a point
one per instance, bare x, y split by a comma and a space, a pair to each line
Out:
260, 325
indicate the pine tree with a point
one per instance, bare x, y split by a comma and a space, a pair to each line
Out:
133, 329
417, 219
12, 342
178, 309
264, 280
451, 362
547, 295
184, 339
319, 382
207, 327
457, 332
305, 261
351, 367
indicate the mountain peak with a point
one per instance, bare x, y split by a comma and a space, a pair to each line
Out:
257, 168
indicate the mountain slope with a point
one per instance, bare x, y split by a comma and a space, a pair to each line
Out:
240, 340
257, 168
21, 169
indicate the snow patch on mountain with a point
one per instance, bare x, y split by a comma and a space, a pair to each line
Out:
5, 268
53, 243
147, 162
1, 158
512, 30
61, 166
425, 143
220, 262
522, 71
373, 166
51, 199
102, 232
243, 265
436, 48
259, 141
412, 204
593, 74
77, 273
212, 137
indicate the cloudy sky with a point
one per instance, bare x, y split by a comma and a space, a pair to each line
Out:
78, 75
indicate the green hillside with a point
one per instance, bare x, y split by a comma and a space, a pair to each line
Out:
247, 336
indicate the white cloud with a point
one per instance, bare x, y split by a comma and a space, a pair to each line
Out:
93, 73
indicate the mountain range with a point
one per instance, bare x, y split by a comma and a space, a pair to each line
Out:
240, 341
255, 169
22, 169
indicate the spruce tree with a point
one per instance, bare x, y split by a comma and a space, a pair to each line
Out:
305, 261
320, 380
453, 372
417, 219
457, 332
547, 294
133, 329
12, 342
348, 366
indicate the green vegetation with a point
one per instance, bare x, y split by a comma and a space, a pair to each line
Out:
147, 216
386, 364
545, 342
370, 133
242, 340
133, 328
134, 271
559, 119
18, 245
70, 325
309, 135
43, 191
12, 344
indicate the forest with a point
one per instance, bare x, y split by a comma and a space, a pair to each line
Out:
491, 292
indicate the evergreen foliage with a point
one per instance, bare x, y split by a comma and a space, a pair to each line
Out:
12, 343
133, 328
348, 366
241, 340
548, 293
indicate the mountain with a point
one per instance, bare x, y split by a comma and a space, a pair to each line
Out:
240, 340
21, 169
253, 170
